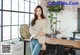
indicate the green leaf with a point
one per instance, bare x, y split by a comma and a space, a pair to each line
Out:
49, 16
56, 8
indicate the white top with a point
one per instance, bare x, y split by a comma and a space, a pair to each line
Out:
40, 25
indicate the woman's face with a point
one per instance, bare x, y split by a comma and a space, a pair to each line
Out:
38, 12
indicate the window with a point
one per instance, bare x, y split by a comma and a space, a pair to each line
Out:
14, 31
32, 16
36, 1
7, 4
15, 13
15, 5
0, 4
27, 18
0, 25
21, 18
6, 18
19, 31
26, 6
6, 33
32, 7
14, 18
0, 33
36, 4
32, 1
21, 5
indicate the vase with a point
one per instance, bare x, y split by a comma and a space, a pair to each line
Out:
53, 23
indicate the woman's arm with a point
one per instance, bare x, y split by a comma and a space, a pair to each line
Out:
42, 33
33, 31
44, 27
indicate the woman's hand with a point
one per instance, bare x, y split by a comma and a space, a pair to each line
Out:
44, 47
41, 33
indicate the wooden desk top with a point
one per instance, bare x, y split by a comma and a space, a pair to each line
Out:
75, 44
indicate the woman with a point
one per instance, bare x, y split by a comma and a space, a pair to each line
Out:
38, 31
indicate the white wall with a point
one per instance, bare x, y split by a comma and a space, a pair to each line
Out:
68, 18
68, 22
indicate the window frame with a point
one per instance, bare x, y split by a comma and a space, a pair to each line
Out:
17, 11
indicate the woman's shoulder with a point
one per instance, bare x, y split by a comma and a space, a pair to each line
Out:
41, 21
44, 20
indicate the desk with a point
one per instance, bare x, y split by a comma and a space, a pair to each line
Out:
25, 40
75, 44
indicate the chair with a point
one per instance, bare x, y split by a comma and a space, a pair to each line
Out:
24, 31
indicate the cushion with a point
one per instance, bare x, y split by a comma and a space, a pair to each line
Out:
24, 31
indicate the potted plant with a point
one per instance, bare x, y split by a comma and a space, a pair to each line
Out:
54, 7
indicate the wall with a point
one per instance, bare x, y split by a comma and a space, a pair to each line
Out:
68, 18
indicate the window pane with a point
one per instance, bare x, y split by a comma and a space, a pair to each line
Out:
27, 0
21, 18
0, 18
15, 5
0, 25
6, 18
36, 1
19, 32
7, 4
32, 16
32, 7
0, 4
26, 6
14, 18
6, 33
32, 1
36, 5
26, 18
21, 5
0, 33
14, 31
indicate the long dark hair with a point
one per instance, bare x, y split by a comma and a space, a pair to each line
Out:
35, 16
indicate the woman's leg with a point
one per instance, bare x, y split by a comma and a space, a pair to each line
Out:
36, 47
32, 44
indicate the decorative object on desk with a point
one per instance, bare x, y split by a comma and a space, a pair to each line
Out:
54, 8
53, 22
24, 31
63, 38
